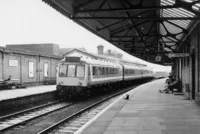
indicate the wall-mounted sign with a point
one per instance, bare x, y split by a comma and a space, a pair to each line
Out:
13, 63
158, 58
176, 55
169, 64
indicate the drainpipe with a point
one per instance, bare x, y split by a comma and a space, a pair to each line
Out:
21, 69
3, 63
39, 67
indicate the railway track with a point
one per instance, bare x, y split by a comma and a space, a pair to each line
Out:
74, 122
18, 118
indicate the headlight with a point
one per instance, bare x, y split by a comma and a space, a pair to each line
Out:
60, 83
80, 84
58, 87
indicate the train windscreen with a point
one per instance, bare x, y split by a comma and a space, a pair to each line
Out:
71, 70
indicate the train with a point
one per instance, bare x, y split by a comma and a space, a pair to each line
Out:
80, 76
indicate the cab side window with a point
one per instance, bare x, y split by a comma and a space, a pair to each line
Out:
80, 71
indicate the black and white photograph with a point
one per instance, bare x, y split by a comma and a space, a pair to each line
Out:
99, 66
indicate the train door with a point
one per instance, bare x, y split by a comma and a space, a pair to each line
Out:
89, 73
193, 76
123, 71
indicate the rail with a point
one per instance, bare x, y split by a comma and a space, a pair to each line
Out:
69, 118
12, 120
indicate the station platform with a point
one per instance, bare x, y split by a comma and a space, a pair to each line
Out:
147, 112
9, 94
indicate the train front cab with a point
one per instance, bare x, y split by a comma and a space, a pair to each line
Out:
71, 78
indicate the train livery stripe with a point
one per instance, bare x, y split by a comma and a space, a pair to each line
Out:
106, 79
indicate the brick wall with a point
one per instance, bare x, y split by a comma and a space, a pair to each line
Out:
186, 65
17, 65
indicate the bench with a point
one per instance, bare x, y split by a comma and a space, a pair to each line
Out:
9, 84
2, 83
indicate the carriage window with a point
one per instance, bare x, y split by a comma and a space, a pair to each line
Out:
117, 71
71, 70
103, 71
109, 71
99, 71
62, 70
106, 70
94, 70
80, 71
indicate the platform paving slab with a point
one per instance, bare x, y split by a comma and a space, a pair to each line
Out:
148, 112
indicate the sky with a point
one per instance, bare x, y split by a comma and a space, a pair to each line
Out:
33, 21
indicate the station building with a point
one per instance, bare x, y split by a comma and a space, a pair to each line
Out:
188, 66
30, 68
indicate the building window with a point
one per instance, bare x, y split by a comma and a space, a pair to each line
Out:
46, 68
30, 69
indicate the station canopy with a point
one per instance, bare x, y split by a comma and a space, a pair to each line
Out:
143, 28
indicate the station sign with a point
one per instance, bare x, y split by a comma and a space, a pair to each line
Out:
169, 64
158, 58
178, 55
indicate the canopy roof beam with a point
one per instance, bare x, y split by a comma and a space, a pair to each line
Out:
123, 29
134, 8
98, 29
139, 41
136, 18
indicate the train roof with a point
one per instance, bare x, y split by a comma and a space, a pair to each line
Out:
90, 61
108, 58
102, 62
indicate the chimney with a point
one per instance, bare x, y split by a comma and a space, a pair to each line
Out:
100, 49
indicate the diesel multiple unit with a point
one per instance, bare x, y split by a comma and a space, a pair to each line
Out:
78, 75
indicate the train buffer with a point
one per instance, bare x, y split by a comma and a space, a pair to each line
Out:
49, 81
